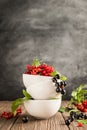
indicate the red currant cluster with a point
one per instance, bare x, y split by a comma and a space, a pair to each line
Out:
82, 106
42, 69
60, 85
8, 115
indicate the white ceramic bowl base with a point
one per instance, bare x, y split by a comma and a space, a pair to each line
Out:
40, 87
42, 109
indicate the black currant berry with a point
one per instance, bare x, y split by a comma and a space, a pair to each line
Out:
61, 83
57, 84
63, 91
25, 119
72, 113
85, 116
64, 83
67, 122
72, 118
81, 115
58, 89
77, 116
54, 80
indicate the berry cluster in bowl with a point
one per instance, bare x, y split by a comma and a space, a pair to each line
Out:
42, 69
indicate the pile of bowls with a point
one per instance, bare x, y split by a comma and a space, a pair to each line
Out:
46, 101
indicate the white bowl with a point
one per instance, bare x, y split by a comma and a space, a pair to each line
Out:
42, 109
40, 87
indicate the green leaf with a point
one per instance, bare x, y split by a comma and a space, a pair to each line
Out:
84, 91
54, 73
82, 121
16, 103
78, 94
80, 87
68, 109
78, 90
36, 62
74, 110
62, 109
26, 94
63, 78
19, 101
74, 93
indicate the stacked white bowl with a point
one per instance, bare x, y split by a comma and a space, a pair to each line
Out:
46, 101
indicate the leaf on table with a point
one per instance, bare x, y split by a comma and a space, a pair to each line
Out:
19, 101
82, 121
62, 109
16, 103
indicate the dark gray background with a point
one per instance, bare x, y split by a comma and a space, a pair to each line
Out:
55, 31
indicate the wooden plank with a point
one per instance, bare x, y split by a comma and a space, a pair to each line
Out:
54, 123
4, 123
73, 125
5, 106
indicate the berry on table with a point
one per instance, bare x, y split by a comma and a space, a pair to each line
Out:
7, 115
80, 107
25, 119
80, 124
67, 122
85, 116
84, 103
72, 113
81, 115
19, 110
72, 118
85, 110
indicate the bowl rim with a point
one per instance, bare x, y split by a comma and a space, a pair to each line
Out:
52, 99
37, 75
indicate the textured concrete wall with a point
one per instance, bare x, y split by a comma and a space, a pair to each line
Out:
55, 31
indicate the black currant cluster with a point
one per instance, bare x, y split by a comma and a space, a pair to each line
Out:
60, 85
74, 116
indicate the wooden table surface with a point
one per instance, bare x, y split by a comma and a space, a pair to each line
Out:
54, 123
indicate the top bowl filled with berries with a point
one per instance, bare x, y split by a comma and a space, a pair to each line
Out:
42, 81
